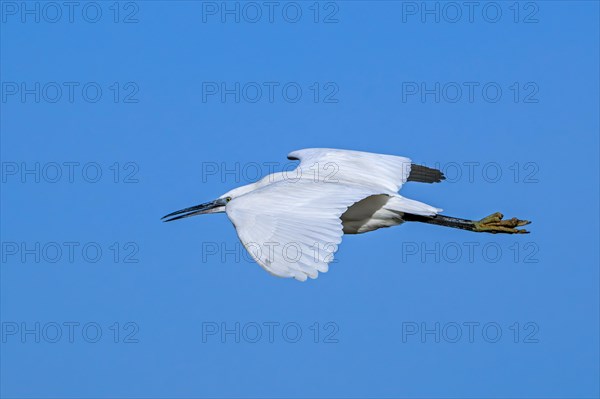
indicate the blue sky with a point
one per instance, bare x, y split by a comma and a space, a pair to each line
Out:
114, 115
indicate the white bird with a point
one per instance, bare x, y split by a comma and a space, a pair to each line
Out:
292, 222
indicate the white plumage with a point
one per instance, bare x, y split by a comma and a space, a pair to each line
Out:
292, 222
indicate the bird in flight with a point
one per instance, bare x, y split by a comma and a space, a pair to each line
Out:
292, 222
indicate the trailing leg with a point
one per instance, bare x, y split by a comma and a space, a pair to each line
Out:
490, 224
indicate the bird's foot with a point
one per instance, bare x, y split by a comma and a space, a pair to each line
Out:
494, 224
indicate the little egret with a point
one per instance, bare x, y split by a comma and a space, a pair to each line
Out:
291, 222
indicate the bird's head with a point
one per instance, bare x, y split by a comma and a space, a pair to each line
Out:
215, 206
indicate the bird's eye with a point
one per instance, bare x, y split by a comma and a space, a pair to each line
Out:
228, 199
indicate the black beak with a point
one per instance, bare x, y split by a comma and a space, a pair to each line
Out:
195, 210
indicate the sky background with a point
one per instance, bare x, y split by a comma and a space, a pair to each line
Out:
114, 115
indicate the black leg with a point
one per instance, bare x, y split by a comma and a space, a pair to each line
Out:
490, 224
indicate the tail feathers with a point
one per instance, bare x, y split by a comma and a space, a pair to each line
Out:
423, 174
406, 205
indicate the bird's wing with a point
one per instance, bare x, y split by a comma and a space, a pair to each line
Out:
387, 172
293, 228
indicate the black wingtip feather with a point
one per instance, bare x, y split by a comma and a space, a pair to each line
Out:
423, 174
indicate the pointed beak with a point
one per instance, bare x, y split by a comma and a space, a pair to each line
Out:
208, 207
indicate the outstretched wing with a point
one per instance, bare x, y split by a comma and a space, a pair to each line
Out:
386, 173
292, 228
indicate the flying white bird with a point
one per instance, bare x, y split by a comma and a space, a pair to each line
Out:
291, 222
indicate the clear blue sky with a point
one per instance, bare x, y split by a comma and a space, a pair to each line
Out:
504, 98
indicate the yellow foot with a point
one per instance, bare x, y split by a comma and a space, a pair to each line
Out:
494, 224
